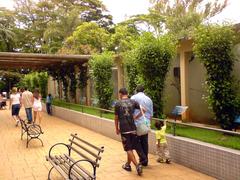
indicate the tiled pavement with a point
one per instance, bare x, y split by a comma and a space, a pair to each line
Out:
18, 162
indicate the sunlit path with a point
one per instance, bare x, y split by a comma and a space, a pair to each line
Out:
17, 162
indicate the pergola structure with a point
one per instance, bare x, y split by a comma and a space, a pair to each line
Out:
10, 60
38, 61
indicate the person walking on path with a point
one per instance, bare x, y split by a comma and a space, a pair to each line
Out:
15, 105
146, 103
37, 106
161, 142
124, 124
49, 104
27, 101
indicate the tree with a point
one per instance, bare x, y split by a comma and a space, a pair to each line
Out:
35, 80
180, 17
9, 79
123, 38
46, 23
7, 34
88, 38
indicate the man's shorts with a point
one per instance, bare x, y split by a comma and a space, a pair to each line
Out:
129, 141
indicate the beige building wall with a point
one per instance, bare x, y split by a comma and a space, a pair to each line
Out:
199, 110
172, 88
198, 107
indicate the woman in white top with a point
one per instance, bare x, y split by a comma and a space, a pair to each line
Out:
15, 105
37, 106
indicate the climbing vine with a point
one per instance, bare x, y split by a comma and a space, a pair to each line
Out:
153, 58
101, 66
213, 46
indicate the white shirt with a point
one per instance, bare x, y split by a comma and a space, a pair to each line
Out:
146, 103
15, 98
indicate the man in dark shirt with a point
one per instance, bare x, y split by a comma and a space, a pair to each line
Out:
124, 124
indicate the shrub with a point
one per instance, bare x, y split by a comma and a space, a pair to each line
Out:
153, 57
130, 65
213, 46
101, 66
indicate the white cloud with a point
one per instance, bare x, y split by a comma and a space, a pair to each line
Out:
121, 9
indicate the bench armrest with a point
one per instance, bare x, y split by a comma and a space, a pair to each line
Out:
35, 126
50, 150
86, 160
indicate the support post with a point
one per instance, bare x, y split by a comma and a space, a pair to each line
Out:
184, 73
88, 89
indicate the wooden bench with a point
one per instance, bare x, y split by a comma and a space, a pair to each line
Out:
33, 131
72, 168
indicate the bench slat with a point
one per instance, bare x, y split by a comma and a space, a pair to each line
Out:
79, 166
87, 150
60, 166
57, 167
84, 156
91, 145
64, 165
63, 162
77, 171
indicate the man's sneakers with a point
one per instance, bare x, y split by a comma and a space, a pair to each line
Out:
139, 169
127, 167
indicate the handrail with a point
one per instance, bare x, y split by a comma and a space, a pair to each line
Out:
157, 119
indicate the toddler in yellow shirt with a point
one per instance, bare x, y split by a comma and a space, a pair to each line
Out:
161, 142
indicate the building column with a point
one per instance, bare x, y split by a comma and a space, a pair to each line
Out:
60, 90
49, 90
77, 98
54, 89
184, 81
88, 93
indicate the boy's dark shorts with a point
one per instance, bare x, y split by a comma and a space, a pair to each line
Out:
129, 141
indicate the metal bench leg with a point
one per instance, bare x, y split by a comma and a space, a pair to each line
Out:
21, 134
40, 140
50, 173
27, 141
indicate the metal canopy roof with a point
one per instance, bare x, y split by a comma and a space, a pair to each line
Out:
38, 61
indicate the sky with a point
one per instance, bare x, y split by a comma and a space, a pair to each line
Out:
121, 9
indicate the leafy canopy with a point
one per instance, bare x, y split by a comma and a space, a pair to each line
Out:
88, 38
179, 17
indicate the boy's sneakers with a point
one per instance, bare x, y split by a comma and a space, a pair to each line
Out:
139, 169
168, 161
127, 167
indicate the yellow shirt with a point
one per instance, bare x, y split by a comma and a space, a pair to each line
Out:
161, 134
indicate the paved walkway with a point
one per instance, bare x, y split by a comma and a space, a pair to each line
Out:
17, 162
